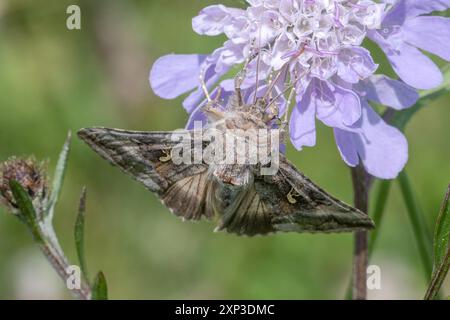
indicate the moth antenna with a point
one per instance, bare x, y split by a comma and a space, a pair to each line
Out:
288, 103
258, 61
274, 81
203, 85
269, 78
240, 77
284, 68
290, 87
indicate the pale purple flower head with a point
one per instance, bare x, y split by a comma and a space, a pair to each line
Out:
317, 46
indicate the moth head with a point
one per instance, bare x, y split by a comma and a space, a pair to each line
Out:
213, 112
257, 109
267, 111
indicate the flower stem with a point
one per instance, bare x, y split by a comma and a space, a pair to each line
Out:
60, 264
361, 187
52, 251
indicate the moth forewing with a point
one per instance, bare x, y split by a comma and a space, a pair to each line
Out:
313, 209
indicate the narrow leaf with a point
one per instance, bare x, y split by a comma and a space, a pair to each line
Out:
442, 231
100, 288
441, 249
79, 233
378, 212
27, 212
59, 177
421, 232
438, 277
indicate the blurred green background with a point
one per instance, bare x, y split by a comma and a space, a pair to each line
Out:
53, 80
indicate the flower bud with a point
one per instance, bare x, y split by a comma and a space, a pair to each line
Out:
32, 176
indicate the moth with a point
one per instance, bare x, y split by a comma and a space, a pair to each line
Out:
244, 201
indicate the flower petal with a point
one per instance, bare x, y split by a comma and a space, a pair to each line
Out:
228, 55
412, 66
302, 125
389, 92
355, 64
213, 19
337, 107
382, 148
405, 9
418, 7
346, 147
175, 74
429, 33
349, 104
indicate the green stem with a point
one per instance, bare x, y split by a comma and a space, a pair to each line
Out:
421, 232
378, 212
60, 263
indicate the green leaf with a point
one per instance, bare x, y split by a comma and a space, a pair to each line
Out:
26, 208
421, 232
79, 233
100, 288
442, 231
378, 212
401, 118
441, 249
438, 278
59, 177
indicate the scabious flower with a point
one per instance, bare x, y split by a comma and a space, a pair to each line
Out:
317, 46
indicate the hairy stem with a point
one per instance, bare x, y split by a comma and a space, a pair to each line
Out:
52, 251
361, 185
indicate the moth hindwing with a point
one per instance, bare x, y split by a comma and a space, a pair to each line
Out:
256, 204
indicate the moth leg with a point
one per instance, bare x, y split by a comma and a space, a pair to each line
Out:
239, 79
204, 87
237, 87
283, 131
209, 107
216, 100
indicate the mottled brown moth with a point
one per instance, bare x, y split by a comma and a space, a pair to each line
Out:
245, 201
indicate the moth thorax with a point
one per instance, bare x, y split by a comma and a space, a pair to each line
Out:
245, 120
